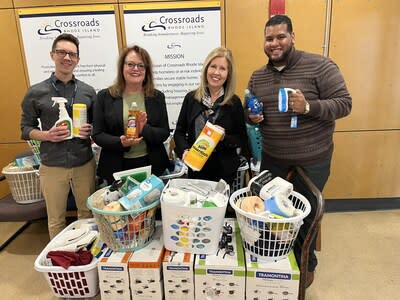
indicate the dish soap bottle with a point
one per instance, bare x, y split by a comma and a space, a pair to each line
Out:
253, 103
63, 117
132, 124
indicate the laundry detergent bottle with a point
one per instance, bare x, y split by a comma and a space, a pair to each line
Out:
63, 117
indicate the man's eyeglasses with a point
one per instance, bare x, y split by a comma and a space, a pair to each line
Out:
63, 53
132, 65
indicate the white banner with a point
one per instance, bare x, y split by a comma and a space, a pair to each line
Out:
95, 28
178, 36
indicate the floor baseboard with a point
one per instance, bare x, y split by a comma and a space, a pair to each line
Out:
369, 204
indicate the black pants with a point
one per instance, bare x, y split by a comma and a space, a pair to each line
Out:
318, 174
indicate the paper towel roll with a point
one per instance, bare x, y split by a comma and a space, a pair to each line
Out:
174, 196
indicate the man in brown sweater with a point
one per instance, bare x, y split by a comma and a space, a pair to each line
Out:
302, 136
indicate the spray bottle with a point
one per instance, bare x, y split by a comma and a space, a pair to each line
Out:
63, 117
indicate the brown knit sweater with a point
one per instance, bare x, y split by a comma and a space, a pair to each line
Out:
323, 86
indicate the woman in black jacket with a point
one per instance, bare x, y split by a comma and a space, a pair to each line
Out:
134, 83
214, 100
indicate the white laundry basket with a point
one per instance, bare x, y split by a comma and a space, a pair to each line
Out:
74, 282
24, 184
192, 229
266, 237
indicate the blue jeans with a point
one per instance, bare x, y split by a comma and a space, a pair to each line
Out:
318, 174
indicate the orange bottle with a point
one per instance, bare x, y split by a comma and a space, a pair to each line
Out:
132, 123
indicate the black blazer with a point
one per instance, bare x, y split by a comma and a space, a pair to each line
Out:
224, 162
108, 126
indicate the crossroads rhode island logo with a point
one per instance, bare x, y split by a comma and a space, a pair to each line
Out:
173, 46
152, 26
48, 30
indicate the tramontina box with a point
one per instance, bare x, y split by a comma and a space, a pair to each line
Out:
145, 269
277, 279
222, 275
114, 276
178, 275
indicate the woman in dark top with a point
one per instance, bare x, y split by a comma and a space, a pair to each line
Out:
134, 83
214, 100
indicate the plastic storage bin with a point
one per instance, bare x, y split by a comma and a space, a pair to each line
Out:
76, 281
35, 147
239, 181
192, 229
265, 237
255, 140
124, 230
24, 184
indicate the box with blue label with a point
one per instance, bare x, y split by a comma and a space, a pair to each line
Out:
222, 275
114, 276
277, 279
178, 275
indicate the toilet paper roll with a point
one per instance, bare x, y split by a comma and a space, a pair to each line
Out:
175, 196
276, 186
280, 205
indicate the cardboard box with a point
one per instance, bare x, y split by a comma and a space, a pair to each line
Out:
145, 269
277, 279
178, 275
114, 276
222, 275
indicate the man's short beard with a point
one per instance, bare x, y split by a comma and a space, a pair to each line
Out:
283, 58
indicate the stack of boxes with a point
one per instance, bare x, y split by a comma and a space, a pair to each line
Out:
145, 269
137, 273
178, 275
277, 279
113, 275
223, 274
231, 273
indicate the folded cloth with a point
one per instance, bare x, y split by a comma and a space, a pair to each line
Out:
74, 240
66, 259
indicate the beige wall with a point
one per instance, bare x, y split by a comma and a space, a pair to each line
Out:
364, 42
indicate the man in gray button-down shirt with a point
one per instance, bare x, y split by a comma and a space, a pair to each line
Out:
65, 163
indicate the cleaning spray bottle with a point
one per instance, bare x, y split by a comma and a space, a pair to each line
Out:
63, 117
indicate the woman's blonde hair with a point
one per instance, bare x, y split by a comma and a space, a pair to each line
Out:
118, 87
230, 83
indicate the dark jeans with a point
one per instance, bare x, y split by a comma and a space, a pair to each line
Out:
318, 174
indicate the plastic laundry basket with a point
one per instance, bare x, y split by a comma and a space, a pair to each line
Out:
239, 181
127, 230
74, 282
192, 229
24, 184
266, 237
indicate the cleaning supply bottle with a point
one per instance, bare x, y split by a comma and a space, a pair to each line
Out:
252, 103
63, 117
132, 124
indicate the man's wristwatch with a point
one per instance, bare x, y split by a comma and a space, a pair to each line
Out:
306, 108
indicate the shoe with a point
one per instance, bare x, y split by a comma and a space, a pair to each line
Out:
310, 278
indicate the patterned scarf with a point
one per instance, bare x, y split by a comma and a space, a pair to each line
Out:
210, 112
